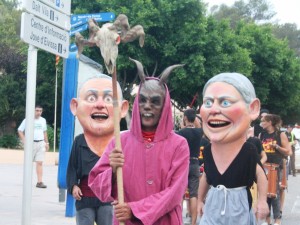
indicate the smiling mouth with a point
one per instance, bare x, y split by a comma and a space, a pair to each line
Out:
99, 116
148, 115
217, 124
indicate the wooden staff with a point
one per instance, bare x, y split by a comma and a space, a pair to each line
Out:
117, 136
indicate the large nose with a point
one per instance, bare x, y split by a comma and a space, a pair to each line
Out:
147, 105
215, 108
100, 103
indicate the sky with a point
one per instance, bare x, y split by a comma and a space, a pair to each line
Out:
288, 11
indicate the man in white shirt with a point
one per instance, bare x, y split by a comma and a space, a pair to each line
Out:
40, 142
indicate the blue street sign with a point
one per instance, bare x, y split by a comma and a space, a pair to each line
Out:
73, 47
99, 17
78, 29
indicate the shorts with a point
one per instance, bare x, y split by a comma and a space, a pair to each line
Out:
39, 150
193, 180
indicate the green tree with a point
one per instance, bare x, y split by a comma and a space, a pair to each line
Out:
173, 36
289, 32
251, 11
276, 72
12, 80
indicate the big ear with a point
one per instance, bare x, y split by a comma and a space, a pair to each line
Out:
254, 108
124, 108
73, 106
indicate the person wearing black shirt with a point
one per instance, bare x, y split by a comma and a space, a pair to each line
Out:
231, 164
257, 127
193, 136
276, 145
94, 110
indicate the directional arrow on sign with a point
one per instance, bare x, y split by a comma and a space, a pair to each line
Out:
63, 6
47, 13
44, 35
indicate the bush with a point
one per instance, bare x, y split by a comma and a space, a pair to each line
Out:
9, 141
50, 132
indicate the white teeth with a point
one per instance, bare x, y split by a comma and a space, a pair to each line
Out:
99, 114
147, 115
217, 122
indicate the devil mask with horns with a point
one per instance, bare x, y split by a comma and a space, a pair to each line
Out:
152, 97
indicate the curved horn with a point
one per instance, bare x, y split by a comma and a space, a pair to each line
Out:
165, 74
140, 69
154, 71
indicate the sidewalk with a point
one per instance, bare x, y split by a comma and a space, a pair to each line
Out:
45, 206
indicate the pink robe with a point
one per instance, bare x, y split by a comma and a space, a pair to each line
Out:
155, 175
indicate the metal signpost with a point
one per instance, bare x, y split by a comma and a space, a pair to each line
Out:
48, 31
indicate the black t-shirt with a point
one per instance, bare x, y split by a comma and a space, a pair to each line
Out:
203, 145
193, 137
81, 162
274, 156
257, 143
257, 130
241, 171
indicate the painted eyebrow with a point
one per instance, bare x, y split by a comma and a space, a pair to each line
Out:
220, 97
96, 92
92, 91
151, 97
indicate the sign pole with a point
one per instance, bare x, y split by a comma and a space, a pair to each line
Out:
30, 107
55, 105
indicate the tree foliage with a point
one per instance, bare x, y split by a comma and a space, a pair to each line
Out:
251, 11
12, 80
276, 71
290, 33
177, 31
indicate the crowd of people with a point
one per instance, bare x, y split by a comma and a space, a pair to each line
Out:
217, 157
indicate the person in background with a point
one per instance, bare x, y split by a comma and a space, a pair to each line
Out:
257, 143
94, 110
277, 147
231, 164
257, 129
154, 160
40, 142
296, 132
198, 122
193, 136
293, 142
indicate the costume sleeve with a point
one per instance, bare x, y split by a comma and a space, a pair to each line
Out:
153, 207
100, 177
72, 178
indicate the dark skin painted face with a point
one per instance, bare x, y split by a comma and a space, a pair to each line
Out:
151, 102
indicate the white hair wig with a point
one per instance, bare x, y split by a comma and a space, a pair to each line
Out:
241, 83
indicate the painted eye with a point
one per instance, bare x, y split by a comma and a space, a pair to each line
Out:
156, 101
208, 103
108, 99
91, 98
225, 103
142, 100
